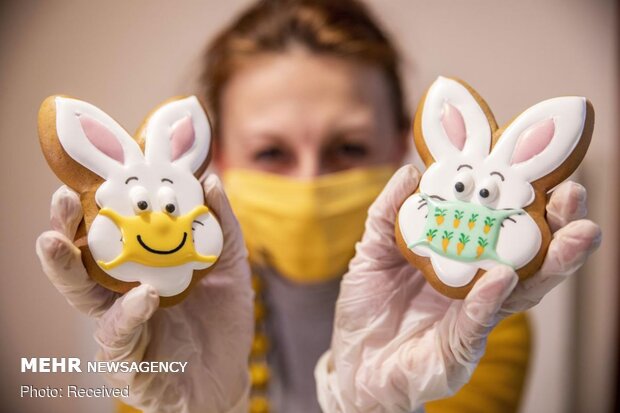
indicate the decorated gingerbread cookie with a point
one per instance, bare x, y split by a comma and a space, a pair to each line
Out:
481, 202
145, 219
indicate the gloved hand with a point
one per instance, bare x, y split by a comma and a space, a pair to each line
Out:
211, 329
397, 343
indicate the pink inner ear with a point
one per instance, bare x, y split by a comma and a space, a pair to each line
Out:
533, 140
454, 125
102, 138
182, 138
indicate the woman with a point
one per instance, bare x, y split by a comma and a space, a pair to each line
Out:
310, 123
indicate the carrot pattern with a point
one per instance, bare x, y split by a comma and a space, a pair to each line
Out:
488, 223
463, 240
445, 240
474, 228
458, 216
430, 234
482, 244
440, 214
472, 221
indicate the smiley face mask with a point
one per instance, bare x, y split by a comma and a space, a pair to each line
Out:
305, 229
156, 238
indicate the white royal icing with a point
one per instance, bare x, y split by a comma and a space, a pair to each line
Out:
519, 241
104, 237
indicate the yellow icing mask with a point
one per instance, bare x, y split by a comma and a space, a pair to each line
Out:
305, 229
156, 239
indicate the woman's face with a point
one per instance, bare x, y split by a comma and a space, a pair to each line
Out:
302, 115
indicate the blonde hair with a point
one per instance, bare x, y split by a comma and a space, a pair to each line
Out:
343, 28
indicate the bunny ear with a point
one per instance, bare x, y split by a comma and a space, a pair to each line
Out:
93, 138
453, 121
539, 140
179, 132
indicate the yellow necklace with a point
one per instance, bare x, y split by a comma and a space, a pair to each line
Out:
259, 371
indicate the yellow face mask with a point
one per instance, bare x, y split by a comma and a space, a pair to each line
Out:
306, 230
156, 239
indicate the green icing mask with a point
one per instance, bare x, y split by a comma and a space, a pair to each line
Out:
463, 231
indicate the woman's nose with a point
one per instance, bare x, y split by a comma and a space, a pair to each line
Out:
310, 165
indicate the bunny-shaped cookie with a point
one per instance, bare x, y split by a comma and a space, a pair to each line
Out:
482, 199
144, 215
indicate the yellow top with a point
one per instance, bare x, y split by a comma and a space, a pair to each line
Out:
496, 385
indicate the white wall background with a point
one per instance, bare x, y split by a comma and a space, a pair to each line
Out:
128, 56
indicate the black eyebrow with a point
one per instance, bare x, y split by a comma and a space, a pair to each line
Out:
507, 219
498, 174
167, 180
464, 166
131, 178
198, 222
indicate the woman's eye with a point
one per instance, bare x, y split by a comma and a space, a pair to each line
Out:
352, 150
269, 154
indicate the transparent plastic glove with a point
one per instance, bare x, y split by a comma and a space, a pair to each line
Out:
397, 343
211, 329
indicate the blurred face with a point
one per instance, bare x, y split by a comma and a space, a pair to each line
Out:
302, 115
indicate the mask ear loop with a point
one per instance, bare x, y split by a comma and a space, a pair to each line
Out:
191, 216
116, 218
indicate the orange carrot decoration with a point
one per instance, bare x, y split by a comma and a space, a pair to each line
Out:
440, 213
488, 223
445, 240
463, 240
430, 234
458, 215
482, 244
472, 221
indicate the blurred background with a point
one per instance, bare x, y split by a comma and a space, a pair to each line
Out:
125, 57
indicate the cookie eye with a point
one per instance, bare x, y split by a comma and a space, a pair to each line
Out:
168, 200
139, 199
463, 184
488, 192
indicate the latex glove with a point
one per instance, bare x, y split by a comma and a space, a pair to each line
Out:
211, 329
398, 343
